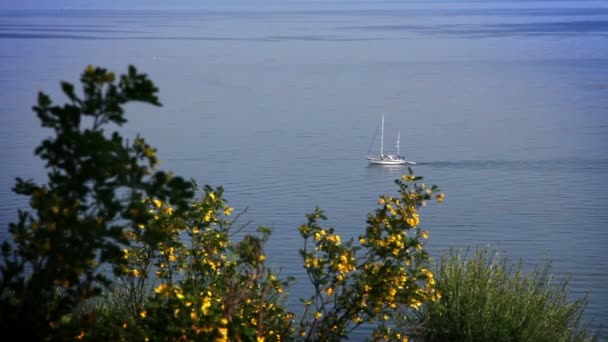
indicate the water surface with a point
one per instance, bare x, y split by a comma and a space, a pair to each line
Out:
501, 103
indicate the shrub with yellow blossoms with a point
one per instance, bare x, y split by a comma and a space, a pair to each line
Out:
381, 279
179, 273
207, 287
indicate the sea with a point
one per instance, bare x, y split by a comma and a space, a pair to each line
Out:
503, 104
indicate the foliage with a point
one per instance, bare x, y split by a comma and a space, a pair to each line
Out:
208, 287
487, 298
176, 272
113, 249
384, 276
96, 185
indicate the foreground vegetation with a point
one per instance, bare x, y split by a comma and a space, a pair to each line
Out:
485, 297
114, 249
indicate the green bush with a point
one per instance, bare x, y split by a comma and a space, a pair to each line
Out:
80, 218
484, 297
113, 249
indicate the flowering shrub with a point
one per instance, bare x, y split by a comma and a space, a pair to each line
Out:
375, 281
178, 273
206, 287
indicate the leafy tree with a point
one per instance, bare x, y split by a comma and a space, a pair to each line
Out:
97, 183
174, 272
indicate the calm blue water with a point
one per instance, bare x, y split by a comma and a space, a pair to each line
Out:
503, 104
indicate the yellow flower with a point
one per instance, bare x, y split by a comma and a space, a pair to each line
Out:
408, 178
413, 220
223, 335
162, 288
440, 198
228, 211
425, 234
318, 314
178, 293
157, 203
207, 216
143, 314
80, 336
206, 305
335, 239
345, 266
171, 253
311, 262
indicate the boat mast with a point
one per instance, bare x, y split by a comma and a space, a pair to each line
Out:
382, 138
398, 134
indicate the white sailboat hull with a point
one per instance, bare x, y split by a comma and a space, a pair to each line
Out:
389, 161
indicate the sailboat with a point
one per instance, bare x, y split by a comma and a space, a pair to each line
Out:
388, 159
